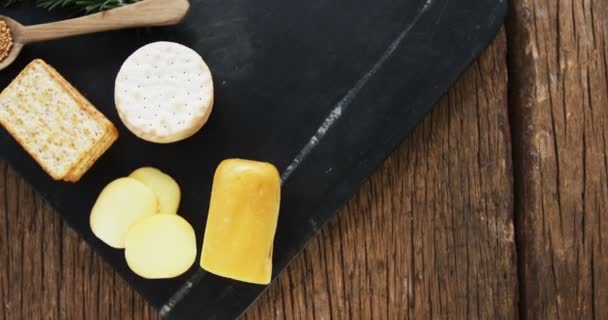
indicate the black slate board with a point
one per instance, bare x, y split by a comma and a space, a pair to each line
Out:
323, 89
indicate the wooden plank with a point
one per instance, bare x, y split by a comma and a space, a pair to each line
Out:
559, 98
430, 235
47, 271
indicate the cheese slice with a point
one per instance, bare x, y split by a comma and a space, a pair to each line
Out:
164, 186
242, 220
160, 246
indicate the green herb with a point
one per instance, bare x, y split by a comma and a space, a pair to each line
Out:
82, 6
9, 2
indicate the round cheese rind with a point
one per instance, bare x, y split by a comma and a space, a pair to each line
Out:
164, 92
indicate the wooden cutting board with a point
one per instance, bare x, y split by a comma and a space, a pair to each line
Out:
323, 89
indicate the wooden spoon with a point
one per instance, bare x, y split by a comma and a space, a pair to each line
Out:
146, 13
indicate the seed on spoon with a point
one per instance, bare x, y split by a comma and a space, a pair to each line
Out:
6, 40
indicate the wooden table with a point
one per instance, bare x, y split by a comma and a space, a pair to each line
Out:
495, 207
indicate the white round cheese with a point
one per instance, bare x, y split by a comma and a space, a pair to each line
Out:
164, 92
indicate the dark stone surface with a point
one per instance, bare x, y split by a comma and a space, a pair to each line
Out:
280, 69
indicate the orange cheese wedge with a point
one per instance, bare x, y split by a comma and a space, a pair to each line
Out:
242, 220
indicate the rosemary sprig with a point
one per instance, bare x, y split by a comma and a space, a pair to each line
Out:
9, 2
82, 6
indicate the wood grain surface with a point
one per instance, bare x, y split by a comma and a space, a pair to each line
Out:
429, 235
559, 111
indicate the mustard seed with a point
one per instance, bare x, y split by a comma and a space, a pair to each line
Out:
6, 40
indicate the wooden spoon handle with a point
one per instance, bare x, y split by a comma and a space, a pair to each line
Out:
141, 14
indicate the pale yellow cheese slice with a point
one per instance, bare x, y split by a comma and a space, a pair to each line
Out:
164, 186
160, 246
120, 204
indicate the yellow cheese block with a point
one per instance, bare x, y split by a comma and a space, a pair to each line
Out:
242, 220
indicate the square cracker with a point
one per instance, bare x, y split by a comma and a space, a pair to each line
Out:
52, 121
